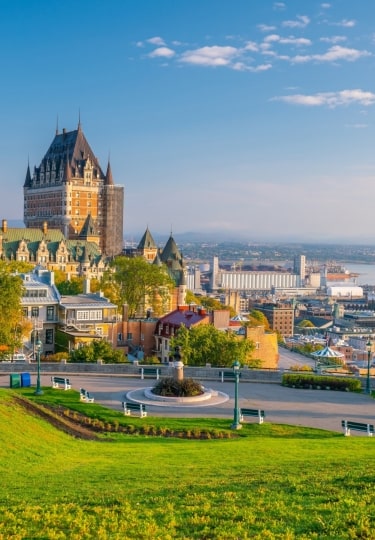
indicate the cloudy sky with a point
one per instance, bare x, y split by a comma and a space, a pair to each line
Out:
246, 118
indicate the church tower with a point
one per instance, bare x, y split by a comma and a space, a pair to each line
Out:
70, 192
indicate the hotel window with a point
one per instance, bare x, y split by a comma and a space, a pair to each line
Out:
35, 312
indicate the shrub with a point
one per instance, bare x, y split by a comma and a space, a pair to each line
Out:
315, 381
174, 388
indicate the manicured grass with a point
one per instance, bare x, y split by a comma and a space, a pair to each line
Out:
273, 482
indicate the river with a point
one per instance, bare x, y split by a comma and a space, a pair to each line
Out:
366, 272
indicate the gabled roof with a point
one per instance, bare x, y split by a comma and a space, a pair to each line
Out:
184, 317
147, 241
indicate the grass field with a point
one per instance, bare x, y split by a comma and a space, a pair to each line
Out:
271, 482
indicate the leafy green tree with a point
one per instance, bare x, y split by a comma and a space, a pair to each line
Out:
72, 286
137, 283
257, 318
97, 350
207, 302
15, 266
11, 325
204, 343
306, 324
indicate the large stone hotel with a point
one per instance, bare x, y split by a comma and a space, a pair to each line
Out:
70, 192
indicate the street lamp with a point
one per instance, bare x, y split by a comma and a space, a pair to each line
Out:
236, 413
38, 390
368, 386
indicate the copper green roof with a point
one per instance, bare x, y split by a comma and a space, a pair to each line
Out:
79, 250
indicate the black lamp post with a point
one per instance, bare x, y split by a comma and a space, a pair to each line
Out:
38, 390
368, 385
236, 413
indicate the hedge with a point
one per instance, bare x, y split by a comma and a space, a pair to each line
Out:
298, 380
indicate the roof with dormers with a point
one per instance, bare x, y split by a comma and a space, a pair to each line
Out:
79, 250
181, 316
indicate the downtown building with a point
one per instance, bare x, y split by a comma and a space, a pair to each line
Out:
70, 192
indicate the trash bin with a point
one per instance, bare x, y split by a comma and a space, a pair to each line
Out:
15, 380
25, 379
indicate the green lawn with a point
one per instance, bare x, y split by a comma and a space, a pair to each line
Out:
271, 482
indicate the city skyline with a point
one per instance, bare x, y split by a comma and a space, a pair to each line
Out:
244, 119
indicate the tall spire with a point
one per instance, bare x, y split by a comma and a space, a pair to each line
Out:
57, 124
79, 119
108, 175
28, 175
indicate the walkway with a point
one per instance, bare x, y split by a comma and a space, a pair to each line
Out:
314, 408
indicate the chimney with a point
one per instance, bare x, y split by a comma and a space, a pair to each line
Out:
45, 227
125, 312
4, 225
86, 286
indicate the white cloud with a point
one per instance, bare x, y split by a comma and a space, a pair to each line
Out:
330, 99
271, 37
346, 23
266, 28
301, 22
333, 54
291, 40
325, 6
333, 39
210, 56
156, 41
279, 6
241, 66
162, 52
341, 53
357, 126
261, 67
251, 46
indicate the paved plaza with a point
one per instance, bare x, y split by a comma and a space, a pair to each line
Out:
314, 408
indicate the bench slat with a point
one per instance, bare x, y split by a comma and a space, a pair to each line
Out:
349, 425
138, 407
56, 381
252, 412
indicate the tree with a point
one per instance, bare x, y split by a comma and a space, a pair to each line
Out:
204, 343
257, 318
11, 324
97, 350
13, 267
72, 286
137, 283
306, 324
208, 302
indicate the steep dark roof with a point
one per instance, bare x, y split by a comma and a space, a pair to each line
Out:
28, 177
108, 175
170, 251
72, 144
147, 242
88, 228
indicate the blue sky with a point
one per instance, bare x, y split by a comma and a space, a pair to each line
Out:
246, 118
